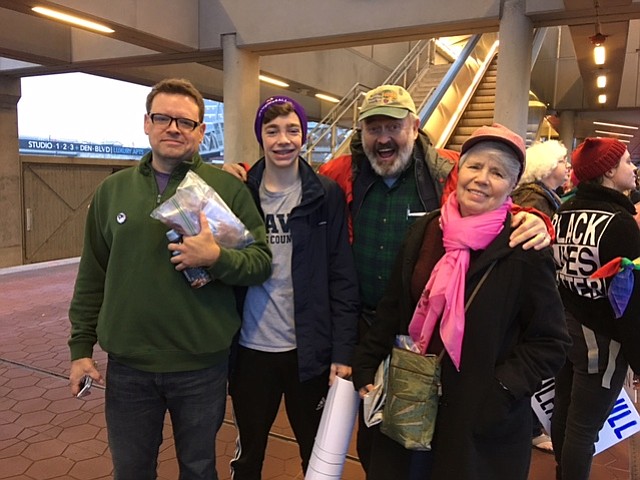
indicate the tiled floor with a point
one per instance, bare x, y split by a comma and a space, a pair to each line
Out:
46, 434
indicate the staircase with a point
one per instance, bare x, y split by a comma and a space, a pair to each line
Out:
480, 110
423, 86
442, 116
416, 72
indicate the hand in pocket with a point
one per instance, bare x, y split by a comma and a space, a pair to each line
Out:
493, 416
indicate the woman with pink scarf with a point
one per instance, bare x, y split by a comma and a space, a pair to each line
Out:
510, 338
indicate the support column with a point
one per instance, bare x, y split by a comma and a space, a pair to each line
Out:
11, 239
567, 129
514, 67
241, 91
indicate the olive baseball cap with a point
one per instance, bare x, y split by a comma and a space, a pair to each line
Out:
388, 100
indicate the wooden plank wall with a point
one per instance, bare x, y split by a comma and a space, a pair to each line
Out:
56, 192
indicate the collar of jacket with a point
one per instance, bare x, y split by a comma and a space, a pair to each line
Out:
590, 191
145, 165
312, 189
541, 189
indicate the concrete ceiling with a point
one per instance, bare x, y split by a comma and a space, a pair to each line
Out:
154, 39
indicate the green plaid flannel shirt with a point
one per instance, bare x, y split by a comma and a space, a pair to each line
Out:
379, 230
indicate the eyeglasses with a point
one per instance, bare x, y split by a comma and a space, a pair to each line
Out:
391, 129
184, 124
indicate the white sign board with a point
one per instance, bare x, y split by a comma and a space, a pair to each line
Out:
623, 421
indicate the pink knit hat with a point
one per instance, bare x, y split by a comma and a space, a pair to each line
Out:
498, 133
595, 156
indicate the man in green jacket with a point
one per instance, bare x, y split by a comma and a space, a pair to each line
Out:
168, 343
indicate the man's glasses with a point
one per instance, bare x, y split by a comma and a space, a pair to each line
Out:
162, 120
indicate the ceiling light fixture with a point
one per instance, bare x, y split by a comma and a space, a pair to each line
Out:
598, 40
602, 98
618, 125
606, 132
80, 22
273, 81
327, 98
599, 54
601, 81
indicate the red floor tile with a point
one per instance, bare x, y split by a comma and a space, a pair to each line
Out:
46, 434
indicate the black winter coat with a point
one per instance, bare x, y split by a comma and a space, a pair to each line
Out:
592, 228
515, 335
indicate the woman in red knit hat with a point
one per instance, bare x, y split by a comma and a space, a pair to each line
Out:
593, 228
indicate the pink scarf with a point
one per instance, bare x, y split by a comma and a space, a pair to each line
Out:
443, 296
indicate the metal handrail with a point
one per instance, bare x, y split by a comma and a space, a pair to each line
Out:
436, 97
408, 74
445, 106
400, 75
329, 124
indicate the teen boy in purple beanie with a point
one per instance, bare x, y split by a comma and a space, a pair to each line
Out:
299, 327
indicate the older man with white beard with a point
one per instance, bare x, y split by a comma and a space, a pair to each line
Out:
393, 176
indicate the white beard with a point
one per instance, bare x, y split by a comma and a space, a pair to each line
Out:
402, 161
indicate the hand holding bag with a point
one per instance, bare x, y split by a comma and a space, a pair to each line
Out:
413, 392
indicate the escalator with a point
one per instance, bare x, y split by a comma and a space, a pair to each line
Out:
480, 110
454, 95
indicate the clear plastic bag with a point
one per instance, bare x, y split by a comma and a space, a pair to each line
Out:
181, 212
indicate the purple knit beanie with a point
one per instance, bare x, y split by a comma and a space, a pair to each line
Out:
279, 100
596, 156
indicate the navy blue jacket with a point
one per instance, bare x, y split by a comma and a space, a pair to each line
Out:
325, 284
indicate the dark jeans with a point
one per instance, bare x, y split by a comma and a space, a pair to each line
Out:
258, 382
391, 461
364, 439
536, 429
135, 407
581, 404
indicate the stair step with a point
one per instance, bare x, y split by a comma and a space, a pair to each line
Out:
474, 106
484, 99
483, 91
475, 122
457, 140
465, 131
477, 114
